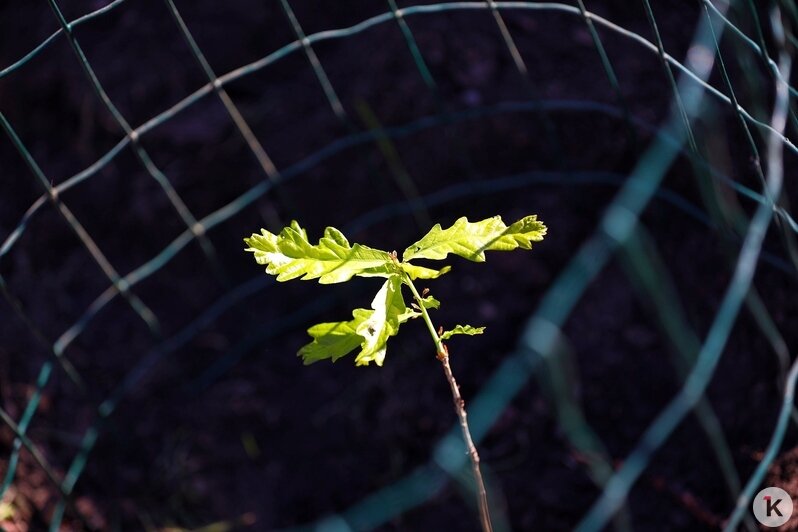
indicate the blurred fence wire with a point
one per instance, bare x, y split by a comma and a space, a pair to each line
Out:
542, 344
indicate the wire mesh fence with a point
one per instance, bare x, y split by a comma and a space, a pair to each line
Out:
728, 84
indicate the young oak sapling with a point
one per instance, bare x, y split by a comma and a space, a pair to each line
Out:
290, 255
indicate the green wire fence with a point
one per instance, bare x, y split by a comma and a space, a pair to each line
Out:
542, 343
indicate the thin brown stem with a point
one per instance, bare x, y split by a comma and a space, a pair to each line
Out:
459, 408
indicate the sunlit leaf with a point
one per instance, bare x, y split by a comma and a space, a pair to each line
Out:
420, 272
381, 323
331, 340
427, 302
369, 329
430, 302
471, 239
333, 260
462, 329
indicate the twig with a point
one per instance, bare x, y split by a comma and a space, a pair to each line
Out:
459, 408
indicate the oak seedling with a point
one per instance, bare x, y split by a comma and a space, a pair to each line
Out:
290, 255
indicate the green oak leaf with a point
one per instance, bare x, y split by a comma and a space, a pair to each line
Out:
462, 329
369, 329
420, 272
427, 302
430, 302
333, 260
471, 239
381, 323
332, 340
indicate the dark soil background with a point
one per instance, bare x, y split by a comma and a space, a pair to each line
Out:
230, 427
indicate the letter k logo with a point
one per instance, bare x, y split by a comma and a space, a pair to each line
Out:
771, 506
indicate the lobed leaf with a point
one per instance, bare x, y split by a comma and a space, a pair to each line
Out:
420, 272
382, 322
369, 329
430, 302
333, 260
427, 302
462, 329
331, 340
471, 239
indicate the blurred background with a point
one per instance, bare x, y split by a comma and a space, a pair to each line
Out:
148, 376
